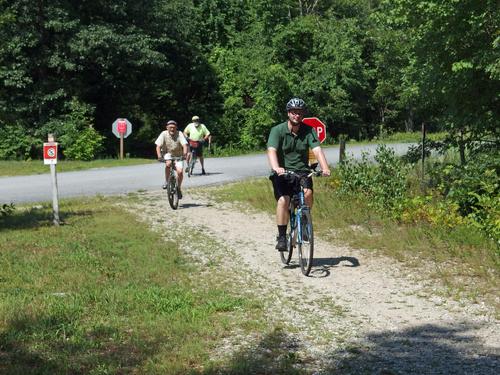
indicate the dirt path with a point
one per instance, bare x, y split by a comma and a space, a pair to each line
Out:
369, 316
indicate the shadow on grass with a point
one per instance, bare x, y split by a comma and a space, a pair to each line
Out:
277, 353
35, 217
40, 346
426, 349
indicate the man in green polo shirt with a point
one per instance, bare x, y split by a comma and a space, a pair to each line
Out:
288, 149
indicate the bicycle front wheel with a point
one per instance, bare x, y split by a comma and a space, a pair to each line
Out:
291, 238
192, 162
173, 197
306, 242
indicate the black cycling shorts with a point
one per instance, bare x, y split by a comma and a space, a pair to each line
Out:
286, 185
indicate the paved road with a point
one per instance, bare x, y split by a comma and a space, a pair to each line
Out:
108, 181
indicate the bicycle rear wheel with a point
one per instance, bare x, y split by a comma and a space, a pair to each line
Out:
306, 243
172, 191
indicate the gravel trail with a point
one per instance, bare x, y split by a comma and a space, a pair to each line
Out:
357, 313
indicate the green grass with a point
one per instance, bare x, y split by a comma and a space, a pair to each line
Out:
19, 168
461, 258
102, 294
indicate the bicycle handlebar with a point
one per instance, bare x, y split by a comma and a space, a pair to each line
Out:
173, 158
292, 173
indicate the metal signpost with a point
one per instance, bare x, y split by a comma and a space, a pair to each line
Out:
50, 158
317, 124
122, 128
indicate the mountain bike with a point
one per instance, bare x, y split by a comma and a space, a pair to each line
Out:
300, 234
172, 184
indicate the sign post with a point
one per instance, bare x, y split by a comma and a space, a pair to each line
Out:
317, 124
50, 158
122, 128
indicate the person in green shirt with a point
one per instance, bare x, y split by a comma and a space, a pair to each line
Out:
288, 148
197, 134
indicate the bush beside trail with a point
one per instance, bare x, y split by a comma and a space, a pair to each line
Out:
451, 195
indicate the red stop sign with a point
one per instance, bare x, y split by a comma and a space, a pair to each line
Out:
318, 125
121, 126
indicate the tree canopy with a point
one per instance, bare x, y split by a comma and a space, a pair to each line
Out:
362, 66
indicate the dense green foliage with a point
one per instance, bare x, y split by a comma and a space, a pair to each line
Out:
453, 195
365, 67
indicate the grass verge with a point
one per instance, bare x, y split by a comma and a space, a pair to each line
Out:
103, 294
461, 259
20, 168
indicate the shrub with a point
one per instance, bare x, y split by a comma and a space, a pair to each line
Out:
473, 189
79, 141
87, 144
6, 209
431, 210
15, 143
383, 184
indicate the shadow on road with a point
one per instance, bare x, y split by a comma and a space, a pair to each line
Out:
206, 174
191, 205
425, 349
321, 266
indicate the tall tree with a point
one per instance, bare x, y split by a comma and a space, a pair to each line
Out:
456, 51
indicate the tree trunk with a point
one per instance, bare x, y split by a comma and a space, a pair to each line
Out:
461, 148
409, 121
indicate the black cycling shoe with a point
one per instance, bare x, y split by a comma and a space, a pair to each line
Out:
203, 171
164, 186
281, 245
179, 193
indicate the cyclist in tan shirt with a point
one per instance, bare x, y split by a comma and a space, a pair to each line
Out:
172, 141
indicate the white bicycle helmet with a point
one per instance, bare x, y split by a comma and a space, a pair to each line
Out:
295, 103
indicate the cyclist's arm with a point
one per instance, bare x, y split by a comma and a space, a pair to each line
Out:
272, 157
158, 143
184, 143
207, 134
320, 156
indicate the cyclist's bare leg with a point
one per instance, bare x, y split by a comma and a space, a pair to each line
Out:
168, 163
308, 197
282, 215
180, 174
201, 162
